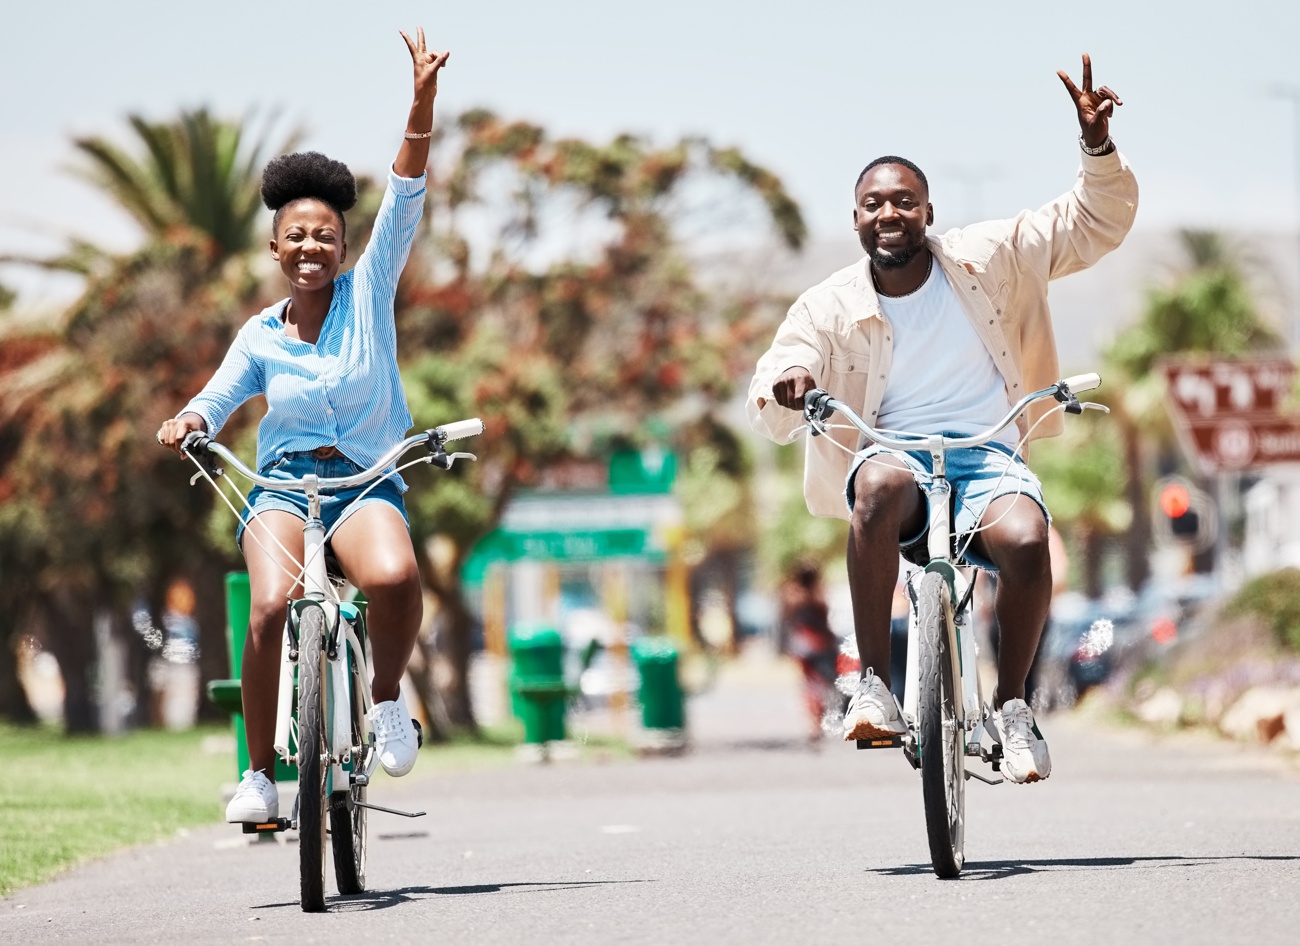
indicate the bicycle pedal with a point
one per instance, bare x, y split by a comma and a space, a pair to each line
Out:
884, 742
419, 733
993, 756
256, 827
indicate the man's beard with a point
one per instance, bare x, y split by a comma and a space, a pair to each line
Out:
890, 259
895, 259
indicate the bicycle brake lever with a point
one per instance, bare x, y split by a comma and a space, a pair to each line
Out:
195, 446
1094, 406
444, 461
814, 409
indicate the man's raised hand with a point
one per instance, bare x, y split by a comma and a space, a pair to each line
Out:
1095, 108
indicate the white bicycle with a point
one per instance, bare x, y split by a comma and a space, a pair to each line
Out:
943, 704
324, 692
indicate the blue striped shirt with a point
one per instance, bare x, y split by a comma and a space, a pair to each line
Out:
344, 391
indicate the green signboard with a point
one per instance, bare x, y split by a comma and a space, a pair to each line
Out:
589, 545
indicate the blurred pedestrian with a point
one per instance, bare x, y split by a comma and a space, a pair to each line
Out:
805, 634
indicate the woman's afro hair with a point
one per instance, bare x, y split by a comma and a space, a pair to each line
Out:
302, 174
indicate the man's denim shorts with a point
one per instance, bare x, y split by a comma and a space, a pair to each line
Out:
335, 505
976, 477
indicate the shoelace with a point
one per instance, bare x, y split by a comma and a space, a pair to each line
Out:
1017, 727
388, 723
254, 783
868, 682
868, 686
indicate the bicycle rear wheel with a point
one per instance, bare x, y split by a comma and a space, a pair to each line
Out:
347, 818
312, 753
943, 740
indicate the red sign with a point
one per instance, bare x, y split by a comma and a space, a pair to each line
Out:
1230, 387
1233, 414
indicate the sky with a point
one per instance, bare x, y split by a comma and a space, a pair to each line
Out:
812, 90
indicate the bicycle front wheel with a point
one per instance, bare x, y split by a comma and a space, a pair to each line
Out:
347, 817
943, 739
313, 753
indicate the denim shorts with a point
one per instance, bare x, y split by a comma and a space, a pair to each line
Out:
976, 477
335, 505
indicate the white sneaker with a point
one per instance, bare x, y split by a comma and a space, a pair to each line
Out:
396, 740
1024, 751
256, 799
873, 712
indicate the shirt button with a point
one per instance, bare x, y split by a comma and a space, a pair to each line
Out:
330, 410
972, 288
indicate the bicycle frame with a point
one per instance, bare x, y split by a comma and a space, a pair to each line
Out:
939, 547
818, 404
317, 591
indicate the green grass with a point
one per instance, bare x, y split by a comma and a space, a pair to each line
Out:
67, 800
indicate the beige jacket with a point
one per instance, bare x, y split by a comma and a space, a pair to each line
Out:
999, 271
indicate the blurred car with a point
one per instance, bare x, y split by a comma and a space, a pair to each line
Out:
1087, 639
1078, 649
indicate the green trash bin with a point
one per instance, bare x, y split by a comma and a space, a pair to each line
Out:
228, 694
538, 693
663, 711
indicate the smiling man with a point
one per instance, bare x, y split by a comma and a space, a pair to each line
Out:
942, 334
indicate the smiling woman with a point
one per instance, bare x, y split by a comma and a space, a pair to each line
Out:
325, 358
309, 194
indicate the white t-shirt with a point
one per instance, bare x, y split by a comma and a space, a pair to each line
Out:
942, 377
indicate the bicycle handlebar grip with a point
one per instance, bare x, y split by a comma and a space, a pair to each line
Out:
461, 428
814, 402
197, 441
1082, 382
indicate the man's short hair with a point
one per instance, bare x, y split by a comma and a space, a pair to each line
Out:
893, 159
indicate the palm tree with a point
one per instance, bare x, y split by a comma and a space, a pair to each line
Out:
196, 171
98, 516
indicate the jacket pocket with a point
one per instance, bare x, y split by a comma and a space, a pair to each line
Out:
848, 378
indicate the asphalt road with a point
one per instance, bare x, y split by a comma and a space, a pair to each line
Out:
750, 838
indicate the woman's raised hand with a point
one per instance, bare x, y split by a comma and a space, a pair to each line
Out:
427, 63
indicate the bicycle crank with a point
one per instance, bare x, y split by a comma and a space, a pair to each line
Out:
391, 811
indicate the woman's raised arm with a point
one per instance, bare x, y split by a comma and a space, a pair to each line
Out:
414, 153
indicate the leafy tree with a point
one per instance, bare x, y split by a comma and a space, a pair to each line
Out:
553, 295
99, 517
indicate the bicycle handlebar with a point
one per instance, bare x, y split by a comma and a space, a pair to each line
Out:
818, 405
197, 443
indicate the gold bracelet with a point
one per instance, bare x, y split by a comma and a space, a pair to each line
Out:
416, 136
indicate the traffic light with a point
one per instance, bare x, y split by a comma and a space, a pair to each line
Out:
1175, 502
1184, 514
